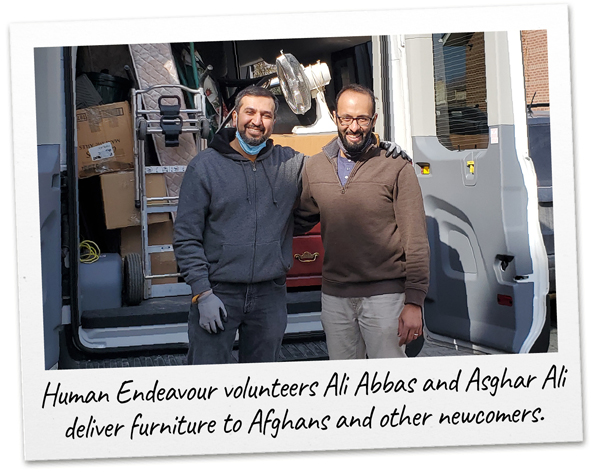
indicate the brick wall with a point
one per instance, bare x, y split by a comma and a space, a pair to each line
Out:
475, 72
535, 62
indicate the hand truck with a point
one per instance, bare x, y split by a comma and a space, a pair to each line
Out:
168, 121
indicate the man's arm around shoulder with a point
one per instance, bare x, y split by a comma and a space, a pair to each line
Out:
306, 213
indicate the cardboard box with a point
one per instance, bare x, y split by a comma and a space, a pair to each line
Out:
161, 263
307, 144
118, 194
469, 142
104, 139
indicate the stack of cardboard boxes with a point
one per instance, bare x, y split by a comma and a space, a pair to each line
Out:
105, 148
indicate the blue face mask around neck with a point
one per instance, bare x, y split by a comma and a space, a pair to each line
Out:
250, 149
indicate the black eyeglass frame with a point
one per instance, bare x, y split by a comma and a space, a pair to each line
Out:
357, 119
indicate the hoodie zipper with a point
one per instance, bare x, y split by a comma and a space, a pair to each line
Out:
255, 224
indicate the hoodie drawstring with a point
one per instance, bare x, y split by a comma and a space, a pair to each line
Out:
268, 181
246, 180
270, 184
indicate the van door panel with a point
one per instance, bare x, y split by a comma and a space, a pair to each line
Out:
482, 289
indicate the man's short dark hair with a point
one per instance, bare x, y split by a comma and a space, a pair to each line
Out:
357, 88
255, 91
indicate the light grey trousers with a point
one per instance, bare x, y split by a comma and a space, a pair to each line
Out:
364, 326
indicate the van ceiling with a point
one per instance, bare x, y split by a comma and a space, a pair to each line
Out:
306, 50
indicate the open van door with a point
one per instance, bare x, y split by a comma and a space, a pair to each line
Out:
489, 270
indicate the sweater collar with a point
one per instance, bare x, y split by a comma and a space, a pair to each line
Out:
332, 149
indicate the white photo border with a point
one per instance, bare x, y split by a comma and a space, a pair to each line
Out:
562, 408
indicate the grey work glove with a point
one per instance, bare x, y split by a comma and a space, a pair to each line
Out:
212, 313
394, 150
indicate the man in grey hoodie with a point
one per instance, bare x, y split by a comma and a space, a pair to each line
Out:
233, 235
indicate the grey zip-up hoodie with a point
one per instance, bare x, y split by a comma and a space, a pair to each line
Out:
234, 219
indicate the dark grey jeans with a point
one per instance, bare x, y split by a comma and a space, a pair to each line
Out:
257, 311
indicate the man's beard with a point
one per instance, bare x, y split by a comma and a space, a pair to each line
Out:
253, 141
352, 147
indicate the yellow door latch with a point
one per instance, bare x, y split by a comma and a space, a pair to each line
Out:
471, 166
424, 168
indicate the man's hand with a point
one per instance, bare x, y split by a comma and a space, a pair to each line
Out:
410, 324
394, 150
212, 313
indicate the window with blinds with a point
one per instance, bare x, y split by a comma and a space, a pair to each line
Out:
460, 90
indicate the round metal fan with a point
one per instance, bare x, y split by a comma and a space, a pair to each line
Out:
299, 85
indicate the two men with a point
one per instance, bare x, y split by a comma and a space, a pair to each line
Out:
376, 264
233, 235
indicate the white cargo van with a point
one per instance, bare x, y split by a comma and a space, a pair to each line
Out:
455, 102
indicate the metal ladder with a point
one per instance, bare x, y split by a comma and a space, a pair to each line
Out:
170, 123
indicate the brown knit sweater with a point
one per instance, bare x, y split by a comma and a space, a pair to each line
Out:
373, 228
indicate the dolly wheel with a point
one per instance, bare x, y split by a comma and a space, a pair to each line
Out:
142, 130
133, 280
204, 128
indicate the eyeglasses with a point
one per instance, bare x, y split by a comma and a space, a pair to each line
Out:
362, 121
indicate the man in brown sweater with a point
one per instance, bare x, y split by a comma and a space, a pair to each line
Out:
376, 263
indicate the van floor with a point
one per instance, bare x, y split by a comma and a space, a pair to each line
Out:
171, 310
311, 349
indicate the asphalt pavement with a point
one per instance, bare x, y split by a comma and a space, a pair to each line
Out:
437, 348
313, 349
